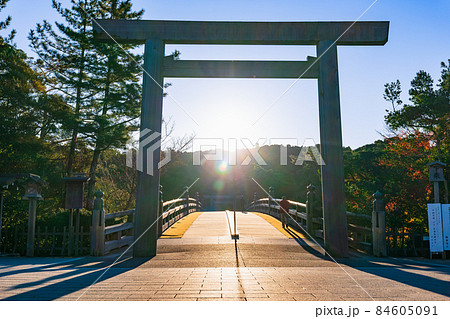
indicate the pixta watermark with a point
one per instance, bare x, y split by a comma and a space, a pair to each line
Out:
149, 147
226, 150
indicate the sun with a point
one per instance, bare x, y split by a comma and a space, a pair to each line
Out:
229, 116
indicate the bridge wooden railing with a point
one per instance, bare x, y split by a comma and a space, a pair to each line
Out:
119, 233
365, 232
272, 208
176, 209
359, 231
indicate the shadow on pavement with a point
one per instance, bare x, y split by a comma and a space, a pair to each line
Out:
87, 271
401, 271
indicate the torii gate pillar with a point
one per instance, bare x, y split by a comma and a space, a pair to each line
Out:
145, 231
333, 190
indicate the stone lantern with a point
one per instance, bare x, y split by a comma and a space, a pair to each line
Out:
33, 186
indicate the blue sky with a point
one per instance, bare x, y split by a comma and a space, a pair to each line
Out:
418, 39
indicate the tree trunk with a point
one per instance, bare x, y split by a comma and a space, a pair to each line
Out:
71, 157
98, 144
73, 141
92, 180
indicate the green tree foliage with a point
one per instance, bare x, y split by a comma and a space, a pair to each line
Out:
364, 175
116, 107
67, 60
5, 24
30, 113
429, 110
30, 121
100, 81
397, 166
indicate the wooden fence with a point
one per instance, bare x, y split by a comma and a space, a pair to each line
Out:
405, 243
49, 241
108, 231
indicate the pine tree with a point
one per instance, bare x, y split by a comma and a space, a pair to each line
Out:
100, 81
116, 107
4, 24
67, 58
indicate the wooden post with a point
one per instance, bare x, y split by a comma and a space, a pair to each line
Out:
270, 199
38, 241
6, 241
146, 232
379, 226
70, 246
31, 226
160, 210
63, 244
46, 240
53, 241
2, 193
197, 201
310, 209
186, 211
77, 231
333, 191
98, 226
82, 247
436, 192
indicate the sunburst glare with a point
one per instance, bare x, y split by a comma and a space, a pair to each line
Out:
222, 167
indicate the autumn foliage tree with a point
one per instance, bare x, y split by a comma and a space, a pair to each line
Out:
406, 179
428, 112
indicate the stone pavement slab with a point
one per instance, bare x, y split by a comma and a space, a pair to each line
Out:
205, 265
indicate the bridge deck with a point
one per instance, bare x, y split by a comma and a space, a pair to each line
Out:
205, 264
218, 226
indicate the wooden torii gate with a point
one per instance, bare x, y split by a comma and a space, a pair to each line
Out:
326, 36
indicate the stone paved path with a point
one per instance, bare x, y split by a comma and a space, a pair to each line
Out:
205, 264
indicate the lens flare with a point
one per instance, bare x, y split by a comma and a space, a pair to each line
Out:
222, 167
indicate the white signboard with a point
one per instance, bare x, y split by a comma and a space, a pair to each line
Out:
435, 228
446, 225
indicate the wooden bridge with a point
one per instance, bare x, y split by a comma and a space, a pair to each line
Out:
115, 230
197, 259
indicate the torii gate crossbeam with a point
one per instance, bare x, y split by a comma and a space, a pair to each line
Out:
324, 35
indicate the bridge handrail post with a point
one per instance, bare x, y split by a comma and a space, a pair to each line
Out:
310, 208
160, 210
187, 200
271, 191
98, 226
197, 201
379, 247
